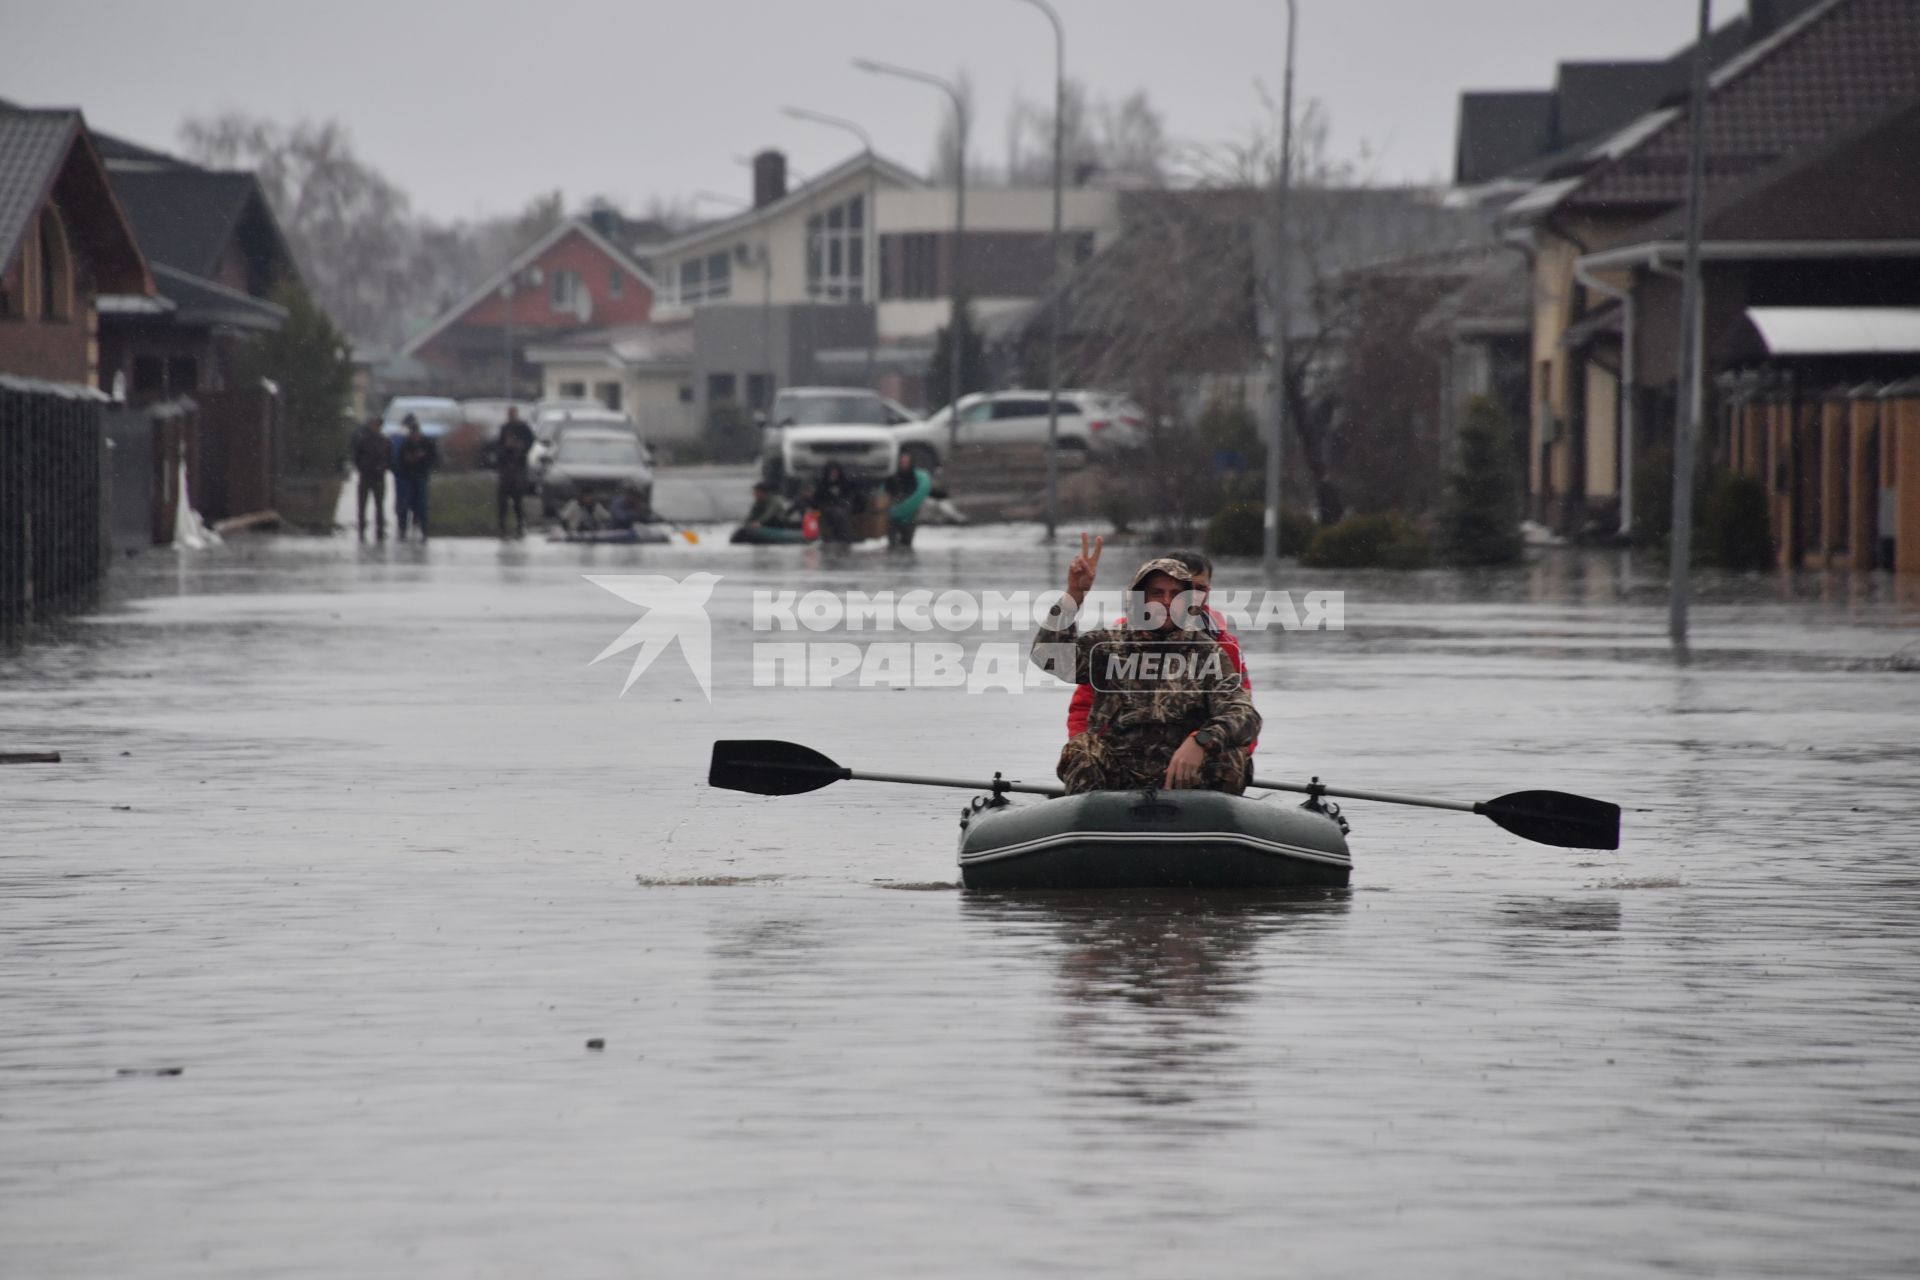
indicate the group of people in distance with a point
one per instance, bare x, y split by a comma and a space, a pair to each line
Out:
827, 508
410, 459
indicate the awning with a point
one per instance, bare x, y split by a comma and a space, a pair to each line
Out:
1837, 331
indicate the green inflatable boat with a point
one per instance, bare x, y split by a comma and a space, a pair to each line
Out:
1151, 840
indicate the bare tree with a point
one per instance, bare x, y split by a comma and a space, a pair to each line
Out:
378, 270
1123, 142
1181, 303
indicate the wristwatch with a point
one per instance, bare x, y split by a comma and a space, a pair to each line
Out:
1207, 739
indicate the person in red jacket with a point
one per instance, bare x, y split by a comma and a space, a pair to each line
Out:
1202, 568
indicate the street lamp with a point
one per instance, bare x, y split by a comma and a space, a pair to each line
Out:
959, 227
1270, 542
870, 238
1059, 268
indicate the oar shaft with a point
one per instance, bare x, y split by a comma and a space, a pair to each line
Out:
1386, 797
1026, 788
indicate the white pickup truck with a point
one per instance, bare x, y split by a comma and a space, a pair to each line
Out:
809, 427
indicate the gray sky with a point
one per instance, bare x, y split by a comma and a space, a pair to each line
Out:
474, 107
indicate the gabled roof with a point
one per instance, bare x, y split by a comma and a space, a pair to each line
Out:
198, 300
1836, 65
1502, 135
1594, 97
48, 154
491, 285
1500, 131
33, 146
728, 227
1790, 199
185, 217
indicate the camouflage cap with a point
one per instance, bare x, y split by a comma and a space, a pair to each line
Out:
1178, 570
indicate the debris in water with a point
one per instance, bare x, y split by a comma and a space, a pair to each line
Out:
596, 1044
1645, 882
151, 1071
924, 886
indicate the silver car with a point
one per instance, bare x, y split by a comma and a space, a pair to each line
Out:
598, 461
1092, 423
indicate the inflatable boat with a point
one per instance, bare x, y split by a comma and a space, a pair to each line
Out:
1152, 840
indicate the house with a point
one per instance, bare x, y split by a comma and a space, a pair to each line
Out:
849, 276
65, 244
218, 257
645, 370
1811, 314
571, 279
1811, 72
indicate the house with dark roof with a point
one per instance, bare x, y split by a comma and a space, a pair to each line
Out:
1604, 329
218, 257
65, 243
1517, 136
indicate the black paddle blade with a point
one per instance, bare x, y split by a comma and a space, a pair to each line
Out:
769, 767
1555, 817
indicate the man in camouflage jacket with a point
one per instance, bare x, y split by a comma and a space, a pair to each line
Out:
1169, 707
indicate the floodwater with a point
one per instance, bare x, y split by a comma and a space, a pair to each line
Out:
358, 842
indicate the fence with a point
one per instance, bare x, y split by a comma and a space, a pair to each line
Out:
53, 512
1841, 471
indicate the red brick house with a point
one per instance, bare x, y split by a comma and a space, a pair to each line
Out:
570, 279
64, 242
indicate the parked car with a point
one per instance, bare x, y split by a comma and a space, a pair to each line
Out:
809, 427
1094, 423
437, 415
592, 458
552, 423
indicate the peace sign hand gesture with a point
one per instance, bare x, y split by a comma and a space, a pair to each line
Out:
1080, 572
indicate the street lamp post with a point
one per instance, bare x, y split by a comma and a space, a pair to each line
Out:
1692, 351
870, 236
1282, 319
1059, 267
959, 227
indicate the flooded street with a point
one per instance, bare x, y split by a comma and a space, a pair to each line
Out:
358, 841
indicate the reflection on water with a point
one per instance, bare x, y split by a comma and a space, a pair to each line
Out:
1148, 988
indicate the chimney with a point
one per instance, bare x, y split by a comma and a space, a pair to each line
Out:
769, 177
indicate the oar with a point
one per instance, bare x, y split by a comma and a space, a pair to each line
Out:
1545, 817
768, 767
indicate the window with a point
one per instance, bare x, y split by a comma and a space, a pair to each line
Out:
609, 394
759, 390
910, 265
686, 393
56, 269
616, 283
566, 290
573, 391
183, 374
837, 252
719, 387
707, 279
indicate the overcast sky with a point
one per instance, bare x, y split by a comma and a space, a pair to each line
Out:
474, 107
